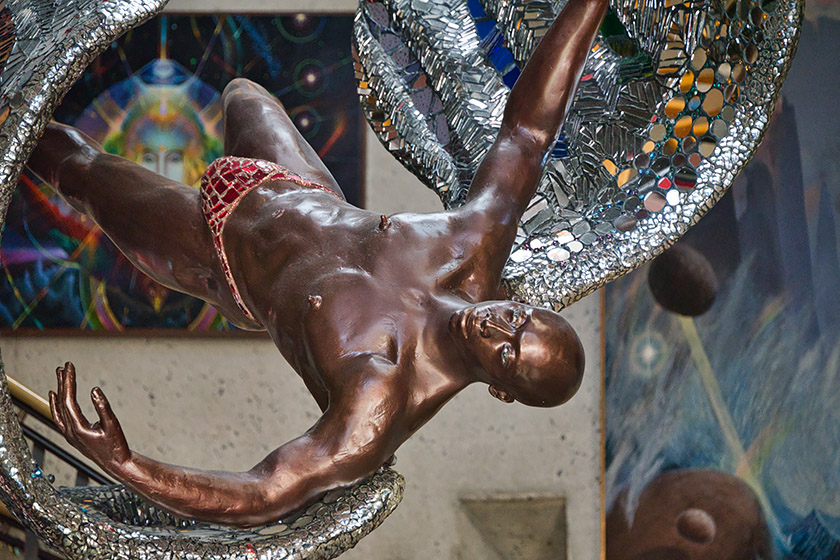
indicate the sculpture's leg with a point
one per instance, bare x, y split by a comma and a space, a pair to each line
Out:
156, 222
257, 126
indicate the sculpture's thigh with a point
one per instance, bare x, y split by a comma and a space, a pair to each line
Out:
157, 223
257, 126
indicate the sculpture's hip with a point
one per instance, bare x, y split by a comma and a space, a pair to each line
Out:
223, 185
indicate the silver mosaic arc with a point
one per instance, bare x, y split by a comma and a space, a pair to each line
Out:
673, 103
54, 40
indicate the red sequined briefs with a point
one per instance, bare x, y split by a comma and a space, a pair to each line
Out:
224, 184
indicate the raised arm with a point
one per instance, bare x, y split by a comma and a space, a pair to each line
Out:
508, 176
347, 444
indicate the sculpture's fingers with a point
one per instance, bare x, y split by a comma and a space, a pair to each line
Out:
60, 412
74, 414
56, 413
107, 419
59, 377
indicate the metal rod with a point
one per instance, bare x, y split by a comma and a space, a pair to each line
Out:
30, 398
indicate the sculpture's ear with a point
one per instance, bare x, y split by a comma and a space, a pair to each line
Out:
501, 395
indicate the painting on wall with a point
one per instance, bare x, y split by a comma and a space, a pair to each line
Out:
723, 425
154, 98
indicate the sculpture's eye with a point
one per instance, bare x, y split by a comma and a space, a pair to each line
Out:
507, 355
518, 318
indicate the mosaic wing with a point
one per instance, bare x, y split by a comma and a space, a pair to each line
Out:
672, 103
44, 47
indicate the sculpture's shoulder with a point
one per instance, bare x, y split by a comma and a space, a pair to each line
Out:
471, 252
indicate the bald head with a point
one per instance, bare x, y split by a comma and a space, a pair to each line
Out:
524, 353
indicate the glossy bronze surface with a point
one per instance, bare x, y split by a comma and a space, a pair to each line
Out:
385, 318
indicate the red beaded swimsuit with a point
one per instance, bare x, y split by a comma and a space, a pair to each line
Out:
224, 184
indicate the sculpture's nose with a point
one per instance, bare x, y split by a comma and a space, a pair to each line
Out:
494, 322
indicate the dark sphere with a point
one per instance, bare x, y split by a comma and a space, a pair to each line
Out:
689, 515
683, 281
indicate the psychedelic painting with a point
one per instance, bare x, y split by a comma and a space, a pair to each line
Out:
749, 389
154, 97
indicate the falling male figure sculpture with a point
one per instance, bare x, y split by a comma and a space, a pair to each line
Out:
384, 318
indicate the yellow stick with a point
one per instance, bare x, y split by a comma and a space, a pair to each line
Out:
721, 412
29, 397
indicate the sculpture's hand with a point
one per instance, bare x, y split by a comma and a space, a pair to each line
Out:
103, 442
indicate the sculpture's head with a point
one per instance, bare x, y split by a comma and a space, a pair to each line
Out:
524, 353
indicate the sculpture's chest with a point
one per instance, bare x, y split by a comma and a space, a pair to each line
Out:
350, 312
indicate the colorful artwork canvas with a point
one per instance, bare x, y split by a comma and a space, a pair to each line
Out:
154, 97
751, 388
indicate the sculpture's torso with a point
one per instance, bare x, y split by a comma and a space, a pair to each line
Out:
336, 287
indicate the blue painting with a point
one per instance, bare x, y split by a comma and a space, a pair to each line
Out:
749, 389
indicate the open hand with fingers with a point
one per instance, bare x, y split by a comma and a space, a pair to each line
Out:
103, 442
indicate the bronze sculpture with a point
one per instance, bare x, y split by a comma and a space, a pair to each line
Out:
385, 318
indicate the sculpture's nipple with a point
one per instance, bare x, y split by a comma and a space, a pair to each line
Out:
314, 302
384, 222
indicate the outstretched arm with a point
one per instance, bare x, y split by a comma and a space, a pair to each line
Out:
508, 175
347, 444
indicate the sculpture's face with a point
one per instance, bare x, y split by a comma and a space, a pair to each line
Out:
527, 354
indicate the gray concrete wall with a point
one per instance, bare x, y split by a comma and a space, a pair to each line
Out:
224, 404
